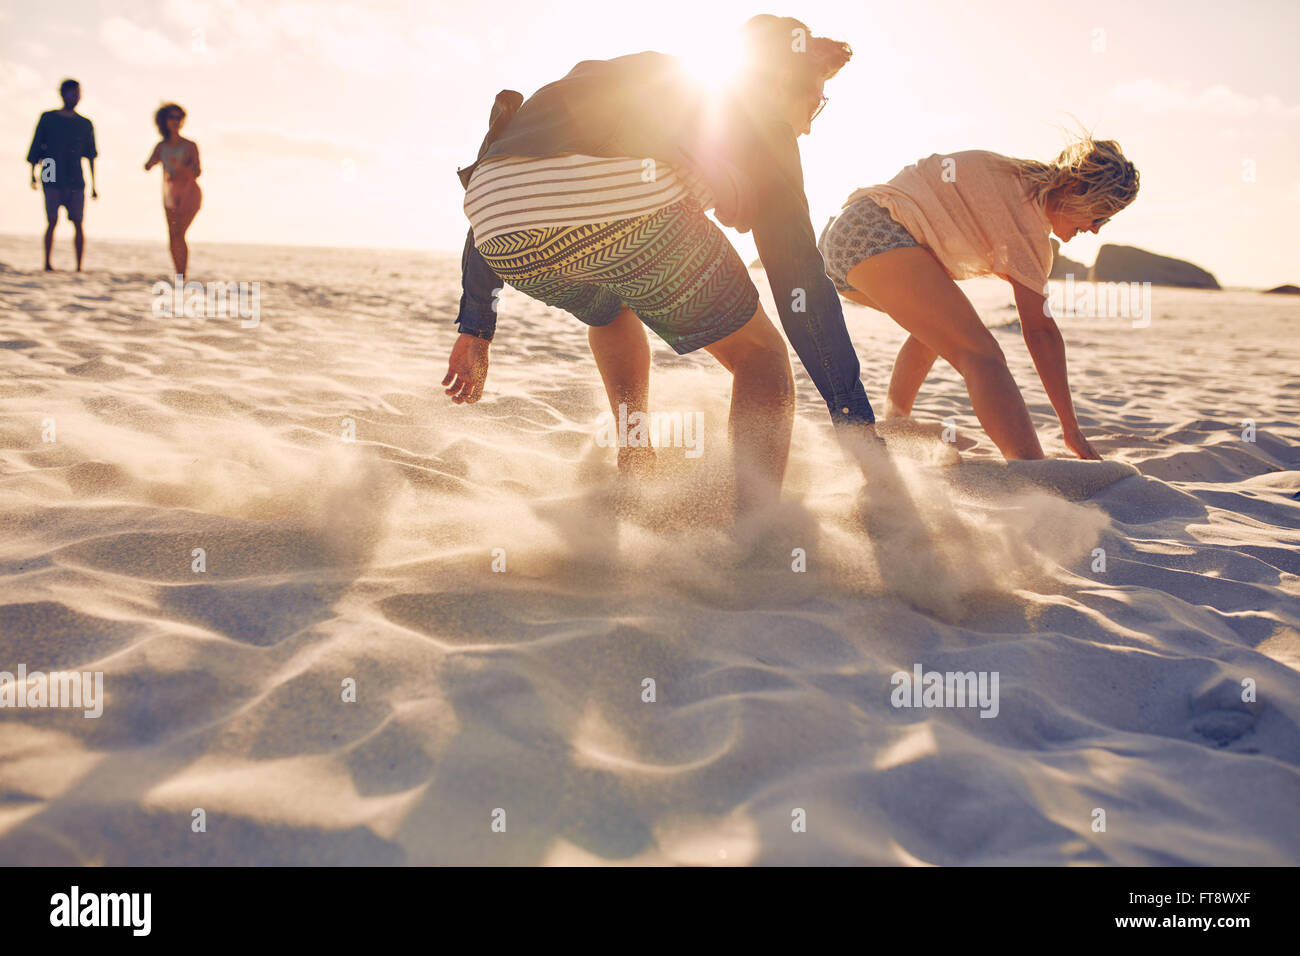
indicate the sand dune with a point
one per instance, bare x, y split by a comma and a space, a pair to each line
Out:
521, 690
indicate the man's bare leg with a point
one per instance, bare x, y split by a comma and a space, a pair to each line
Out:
762, 409
49, 243
762, 395
622, 353
78, 242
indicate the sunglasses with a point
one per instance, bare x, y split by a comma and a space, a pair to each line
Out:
822, 100
1098, 223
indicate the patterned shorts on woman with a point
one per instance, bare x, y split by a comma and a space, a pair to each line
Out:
859, 232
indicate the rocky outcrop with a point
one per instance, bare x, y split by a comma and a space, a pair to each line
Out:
1130, 264
1285, 290
756, 264
1062, 267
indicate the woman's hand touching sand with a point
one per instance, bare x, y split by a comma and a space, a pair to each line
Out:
1075, 441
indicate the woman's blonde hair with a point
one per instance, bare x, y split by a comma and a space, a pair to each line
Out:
1105, 180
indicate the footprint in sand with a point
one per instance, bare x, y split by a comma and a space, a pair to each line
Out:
1067, 478
1219, 715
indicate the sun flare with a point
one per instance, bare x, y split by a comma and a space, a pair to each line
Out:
712, 64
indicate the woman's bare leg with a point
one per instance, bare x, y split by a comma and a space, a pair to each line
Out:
179, 218
180, 252
912, 286
762, 409
622, 354
915, 359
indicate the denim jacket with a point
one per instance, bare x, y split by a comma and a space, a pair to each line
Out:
644, 105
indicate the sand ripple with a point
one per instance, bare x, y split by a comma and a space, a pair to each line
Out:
370, 560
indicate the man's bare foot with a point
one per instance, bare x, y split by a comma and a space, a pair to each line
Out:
48, 267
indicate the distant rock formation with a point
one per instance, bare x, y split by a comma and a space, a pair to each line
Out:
1285, 290
756, 264
1130, 264
1062, 267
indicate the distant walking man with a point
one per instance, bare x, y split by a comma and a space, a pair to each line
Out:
62, 138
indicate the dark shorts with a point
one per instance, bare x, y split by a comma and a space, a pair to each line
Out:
859, 232
674, 268
73, 199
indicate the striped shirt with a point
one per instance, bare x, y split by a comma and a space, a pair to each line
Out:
509, 193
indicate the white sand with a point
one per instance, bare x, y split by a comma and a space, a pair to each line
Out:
372, 560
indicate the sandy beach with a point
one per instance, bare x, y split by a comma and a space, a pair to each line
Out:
498, 598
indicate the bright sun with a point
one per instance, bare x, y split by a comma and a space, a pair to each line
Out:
712, 64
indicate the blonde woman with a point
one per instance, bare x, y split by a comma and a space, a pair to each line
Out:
898, 247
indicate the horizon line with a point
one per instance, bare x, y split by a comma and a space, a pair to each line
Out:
36, 237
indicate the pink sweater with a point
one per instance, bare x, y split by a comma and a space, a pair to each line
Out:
971, 210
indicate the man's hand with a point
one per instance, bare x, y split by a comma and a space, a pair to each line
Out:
467, 369
1075, 441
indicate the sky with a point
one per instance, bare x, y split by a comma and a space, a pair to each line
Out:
342, 124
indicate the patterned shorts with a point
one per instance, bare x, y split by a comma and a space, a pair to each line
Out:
859, 232
674, 268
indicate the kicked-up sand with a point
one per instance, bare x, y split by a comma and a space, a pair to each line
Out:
338, 620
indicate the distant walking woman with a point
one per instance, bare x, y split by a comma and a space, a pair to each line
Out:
181, 194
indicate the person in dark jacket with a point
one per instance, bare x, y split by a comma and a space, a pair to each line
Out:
590, 197
63, 138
